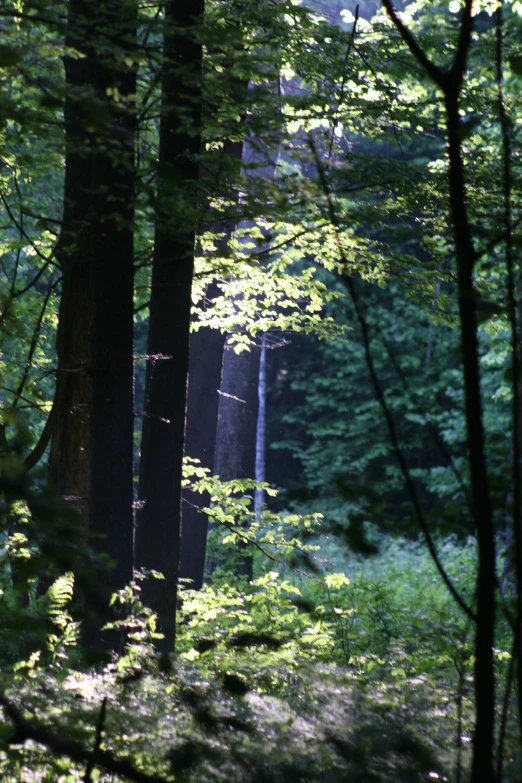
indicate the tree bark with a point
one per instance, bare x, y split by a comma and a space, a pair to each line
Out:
158, 518
91, 452
70, 445
111, 515
486, 578
236, 432
206, 358
450, 82
205, 364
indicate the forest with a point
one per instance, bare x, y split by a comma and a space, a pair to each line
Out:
260, 391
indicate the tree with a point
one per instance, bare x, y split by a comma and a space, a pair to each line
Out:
158, 519
450, 82
206, 345
91, 454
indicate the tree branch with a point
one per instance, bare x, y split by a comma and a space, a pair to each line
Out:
439, 76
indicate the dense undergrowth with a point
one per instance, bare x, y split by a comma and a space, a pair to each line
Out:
359, 671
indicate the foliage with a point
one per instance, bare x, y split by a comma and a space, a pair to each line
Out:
204, 731
299, 674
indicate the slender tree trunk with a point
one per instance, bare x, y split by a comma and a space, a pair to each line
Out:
450, 82
158, 519
70, 445
486, 578
259, 495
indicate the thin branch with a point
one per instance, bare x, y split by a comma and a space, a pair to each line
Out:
31, 283
459, 64
21, 231
34, 342
437, 74
434, 434
25, 235
504, 715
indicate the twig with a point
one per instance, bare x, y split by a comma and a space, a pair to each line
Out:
34, 342
26, 236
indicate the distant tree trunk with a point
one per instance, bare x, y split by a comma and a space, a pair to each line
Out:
239, 396
204, 381
237, 424
259, 495
206, 359
158, 518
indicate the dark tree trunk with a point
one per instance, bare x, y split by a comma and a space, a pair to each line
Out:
91, 453
450, 82
486, 579
112, 316
206, 358
204, 381
70, 445
158, 519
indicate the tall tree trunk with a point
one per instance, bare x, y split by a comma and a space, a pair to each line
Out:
486, 578
111, 515
450, 83
205, 363
204, 381
206, 358
237, 424
236, 448
259, 495
70, 445
158, 519
91, 451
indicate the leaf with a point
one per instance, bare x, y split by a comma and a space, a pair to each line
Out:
337, 581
